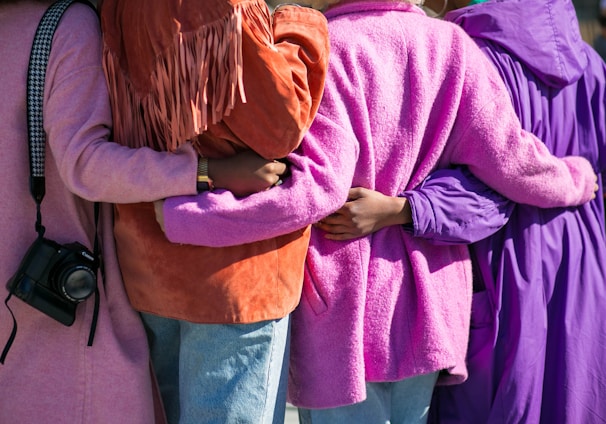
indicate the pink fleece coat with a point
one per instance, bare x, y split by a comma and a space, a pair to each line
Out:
50, 374
405, 96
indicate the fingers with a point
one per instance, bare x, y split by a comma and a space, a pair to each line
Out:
277, 167
336, 232
356, 193
336, 218
340, 237
331, 227
159, 209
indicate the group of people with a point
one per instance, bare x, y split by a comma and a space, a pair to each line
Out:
378, 215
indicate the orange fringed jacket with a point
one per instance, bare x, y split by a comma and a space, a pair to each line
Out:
228, 76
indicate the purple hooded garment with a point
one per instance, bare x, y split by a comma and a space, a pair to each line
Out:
537, 350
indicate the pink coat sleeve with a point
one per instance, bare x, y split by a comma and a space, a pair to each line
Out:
77, 119
489, 139
321, 173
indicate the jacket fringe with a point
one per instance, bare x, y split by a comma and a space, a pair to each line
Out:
201, 73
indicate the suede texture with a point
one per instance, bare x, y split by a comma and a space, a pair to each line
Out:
238, 284
227, 81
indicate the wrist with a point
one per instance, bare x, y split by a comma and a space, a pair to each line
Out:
406, 215
400, 213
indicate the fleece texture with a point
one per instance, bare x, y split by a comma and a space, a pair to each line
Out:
406, 96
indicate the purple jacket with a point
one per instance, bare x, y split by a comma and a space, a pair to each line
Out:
387, 306
537, 343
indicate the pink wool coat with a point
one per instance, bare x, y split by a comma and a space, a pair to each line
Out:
407, 95
50, 375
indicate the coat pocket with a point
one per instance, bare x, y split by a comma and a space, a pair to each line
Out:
311, 293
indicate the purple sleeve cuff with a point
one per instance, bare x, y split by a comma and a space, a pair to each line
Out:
453, 207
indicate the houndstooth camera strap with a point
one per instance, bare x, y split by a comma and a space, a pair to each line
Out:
36, 76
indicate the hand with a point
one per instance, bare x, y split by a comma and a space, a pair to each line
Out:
159, 209
314, 4
365, 212
245, 173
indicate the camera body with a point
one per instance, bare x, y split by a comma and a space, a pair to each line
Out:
55, 278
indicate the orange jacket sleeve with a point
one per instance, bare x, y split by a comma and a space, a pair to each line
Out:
283, 82
226, 74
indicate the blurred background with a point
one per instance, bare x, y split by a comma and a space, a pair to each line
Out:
588, 12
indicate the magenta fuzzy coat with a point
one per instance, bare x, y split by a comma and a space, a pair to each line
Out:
405, 95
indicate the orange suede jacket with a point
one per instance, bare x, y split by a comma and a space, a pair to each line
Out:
228, 76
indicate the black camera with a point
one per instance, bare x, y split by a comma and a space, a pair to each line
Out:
55, 278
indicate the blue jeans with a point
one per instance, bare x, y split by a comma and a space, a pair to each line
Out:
214, 373
402, 402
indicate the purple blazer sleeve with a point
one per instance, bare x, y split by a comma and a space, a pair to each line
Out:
453, 207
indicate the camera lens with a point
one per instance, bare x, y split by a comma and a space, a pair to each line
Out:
77, 283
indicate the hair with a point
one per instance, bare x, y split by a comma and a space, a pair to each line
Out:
323, 4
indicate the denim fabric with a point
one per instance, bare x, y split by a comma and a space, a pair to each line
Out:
215, 373
403, 402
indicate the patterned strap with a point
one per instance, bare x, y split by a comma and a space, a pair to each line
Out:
36, 77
